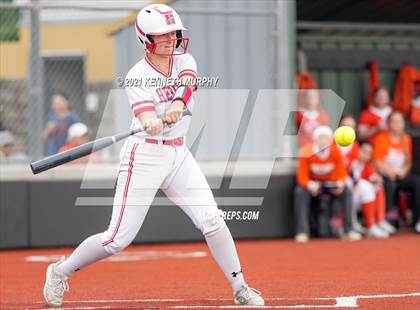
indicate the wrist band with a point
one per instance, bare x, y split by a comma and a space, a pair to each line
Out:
183, 93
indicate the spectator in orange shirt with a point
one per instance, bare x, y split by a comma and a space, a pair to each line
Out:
393, 159
321, 169
366, 186
311, 117
77, 135
373, 119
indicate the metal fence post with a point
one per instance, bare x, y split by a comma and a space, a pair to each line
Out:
35, 100
286, 51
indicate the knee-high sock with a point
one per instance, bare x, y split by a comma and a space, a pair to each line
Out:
369, 213
222, 247
88, 252
380, 204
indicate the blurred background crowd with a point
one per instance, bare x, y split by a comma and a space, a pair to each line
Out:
370, 181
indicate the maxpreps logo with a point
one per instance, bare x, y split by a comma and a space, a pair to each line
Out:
236, 178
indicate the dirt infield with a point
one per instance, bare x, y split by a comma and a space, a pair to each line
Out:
369, 274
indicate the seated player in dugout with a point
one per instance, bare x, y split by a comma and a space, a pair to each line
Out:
366, 186
369, 194
393, 158
158, 158
373, 119
310, 117
321, 170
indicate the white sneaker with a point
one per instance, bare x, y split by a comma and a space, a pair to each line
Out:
248, 296
302, 238
359, 228
56, 283
352, 236
417, 227
387, 227
376, 232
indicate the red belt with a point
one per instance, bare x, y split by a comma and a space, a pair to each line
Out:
174, 142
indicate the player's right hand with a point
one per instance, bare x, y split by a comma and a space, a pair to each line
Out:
153, 126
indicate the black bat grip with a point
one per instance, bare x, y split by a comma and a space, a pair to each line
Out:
72, 154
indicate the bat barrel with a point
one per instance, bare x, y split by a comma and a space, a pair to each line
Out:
73, 154
59, 159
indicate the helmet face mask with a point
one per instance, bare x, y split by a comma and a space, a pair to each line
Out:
159, 19
176, 47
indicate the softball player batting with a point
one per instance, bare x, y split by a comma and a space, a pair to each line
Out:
157, 158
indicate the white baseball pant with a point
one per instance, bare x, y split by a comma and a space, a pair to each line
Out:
145, 168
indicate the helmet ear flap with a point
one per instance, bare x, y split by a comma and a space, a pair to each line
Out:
149, 37
178, 36
150, 46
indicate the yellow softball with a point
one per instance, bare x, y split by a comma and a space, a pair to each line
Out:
344, 135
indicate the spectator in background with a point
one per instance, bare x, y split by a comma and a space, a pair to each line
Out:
311, 117
77, 135
392, 157
60, 118
350, 155
415, 107
373, 119
8, 153
369, 194
366, 186
321, 169
350, 152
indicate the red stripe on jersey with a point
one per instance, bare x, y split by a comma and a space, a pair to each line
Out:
171, 62
143, 109
135, 104
160, 71
187, 74
127, 185
187, 71
187, 96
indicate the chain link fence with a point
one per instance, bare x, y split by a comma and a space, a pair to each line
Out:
45, 84
43, 54
13, 88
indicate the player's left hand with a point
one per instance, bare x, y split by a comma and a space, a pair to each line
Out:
174, 114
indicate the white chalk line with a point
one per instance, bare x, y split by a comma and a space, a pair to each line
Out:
79, 308
126, 256
341, 302
102, 301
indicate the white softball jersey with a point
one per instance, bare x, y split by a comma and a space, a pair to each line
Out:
149, 89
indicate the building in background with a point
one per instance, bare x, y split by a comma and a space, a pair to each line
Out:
76, 53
